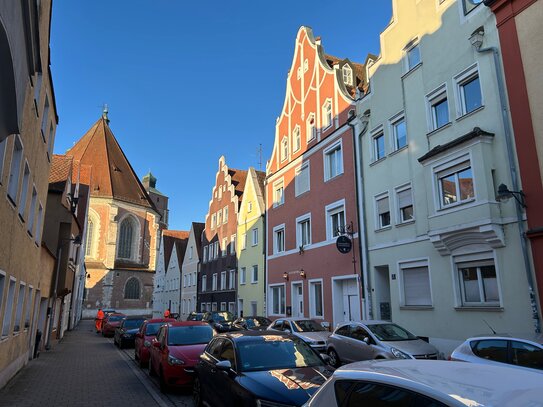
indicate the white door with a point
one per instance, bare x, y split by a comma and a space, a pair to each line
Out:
351, 300
297, 300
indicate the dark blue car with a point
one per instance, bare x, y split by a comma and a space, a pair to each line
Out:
125, 333
258, 368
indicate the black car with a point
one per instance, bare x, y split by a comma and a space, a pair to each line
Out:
195, 316
221, 321
125, 333
252, 323
258, 368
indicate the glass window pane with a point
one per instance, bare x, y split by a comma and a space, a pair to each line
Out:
465, 179
470, 284
441, 113
490, 284
524, 354
493, 349
400, 132
413, 56
448, 189
472, 94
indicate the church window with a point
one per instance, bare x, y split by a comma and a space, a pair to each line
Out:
90, 234
126, 238
132, 289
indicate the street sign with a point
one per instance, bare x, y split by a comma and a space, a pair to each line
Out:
344, 244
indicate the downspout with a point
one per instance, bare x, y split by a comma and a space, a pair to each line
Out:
361, 220
513, 171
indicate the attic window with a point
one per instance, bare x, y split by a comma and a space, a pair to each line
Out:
306, 65
347, 75
284, 149
116, 169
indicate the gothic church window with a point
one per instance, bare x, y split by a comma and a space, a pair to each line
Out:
126, 238
132, 289
90, 234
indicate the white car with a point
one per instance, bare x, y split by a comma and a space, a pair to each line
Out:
429, 383
521, 352
308, 330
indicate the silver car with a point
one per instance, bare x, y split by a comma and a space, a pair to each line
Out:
355, 341
520, 351
309, 330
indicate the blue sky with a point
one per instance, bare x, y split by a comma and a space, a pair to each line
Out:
189, 81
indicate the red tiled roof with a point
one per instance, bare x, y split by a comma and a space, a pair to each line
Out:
177, 238
61, 168
238, 180
359, 73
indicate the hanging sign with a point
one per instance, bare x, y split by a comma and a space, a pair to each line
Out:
344, 244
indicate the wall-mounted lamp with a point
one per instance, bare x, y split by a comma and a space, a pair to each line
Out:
504, 194
365, 119
476, 38
302, 273
285, 276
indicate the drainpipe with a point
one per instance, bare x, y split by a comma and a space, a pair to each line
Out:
476, 40
361, 216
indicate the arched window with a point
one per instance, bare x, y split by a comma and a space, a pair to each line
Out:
132, 289
127, 235
89, 242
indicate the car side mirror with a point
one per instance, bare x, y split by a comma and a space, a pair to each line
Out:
326, 358
224, 365
287, 331
367, 340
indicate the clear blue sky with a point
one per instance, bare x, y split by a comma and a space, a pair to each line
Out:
189, 81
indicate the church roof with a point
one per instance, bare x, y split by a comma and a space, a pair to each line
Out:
112, 174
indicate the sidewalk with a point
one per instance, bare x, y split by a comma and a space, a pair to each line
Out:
83, 370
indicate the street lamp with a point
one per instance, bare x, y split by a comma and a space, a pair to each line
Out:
504, 194
476, 38
77, 242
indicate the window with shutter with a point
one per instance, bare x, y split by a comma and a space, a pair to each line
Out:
302, 183
416, 286
405, 205
383, 212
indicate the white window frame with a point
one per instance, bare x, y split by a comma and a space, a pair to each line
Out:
223, 280
243, 275
233, 241
254, 233
297, 172
312, 304
278, 184
347, 74
393, 123
460, 80
478, 264
214, 282
231, 279
277, 229
250, 206
24, 190
213, 306
296, 139
375, 135
225, 214
253, 281
284, 149
311, 128
326, 154
376, 199
15, 173
411, 264
206, 249
191, 249
330, 210
413, 44
327, 114
281, 307
453, 166
243, 241
232, 307
224, 246
397, 191
299, 220
39, 224
433, 98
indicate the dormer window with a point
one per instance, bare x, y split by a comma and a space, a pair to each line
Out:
284, 148
347, 75
327, 113
310, 128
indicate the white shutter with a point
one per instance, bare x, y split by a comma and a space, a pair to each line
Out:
302, 180
405, 198
416, 283
382, 205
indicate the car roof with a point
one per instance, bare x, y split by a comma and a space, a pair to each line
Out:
240, 336
155, 320
297, 319
467, 383
135, 317
188, 323
534, 337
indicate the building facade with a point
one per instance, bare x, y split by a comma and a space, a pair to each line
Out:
443, 254
167, 281
28, 120
217, 279
123, 228
521, 34
250, 251
310, 190
189, 270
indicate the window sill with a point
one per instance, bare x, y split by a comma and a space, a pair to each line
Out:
301, 194
482, 308
455, 205
470, 113
406, 223
11, 201
445, 126
405, 75
417, 307
399, 150
383, 229
333, 178
4, 338
378, 161
254, 282
275, 206
242, 283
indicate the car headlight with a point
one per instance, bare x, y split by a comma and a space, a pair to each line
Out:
147, 344
172, 361
399, 354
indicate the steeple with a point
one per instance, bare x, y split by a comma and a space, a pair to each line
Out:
105, 111
149, 181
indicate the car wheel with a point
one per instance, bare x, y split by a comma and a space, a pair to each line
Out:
162, 381
151, 370
197, 393
334, 358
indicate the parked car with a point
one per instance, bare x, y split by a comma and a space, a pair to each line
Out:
308, 330
109, 311
252, 323
142, 341
125, 333
522, 351
428, 383
355, 341
111, 322
195, 316
261, 368
175, 351
221, 321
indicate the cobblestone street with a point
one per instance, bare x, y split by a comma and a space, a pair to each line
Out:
86, 369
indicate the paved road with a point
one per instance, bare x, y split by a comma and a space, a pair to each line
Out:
86, 370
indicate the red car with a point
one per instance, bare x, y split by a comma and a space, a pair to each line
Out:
111, 322
144, 337
176, 350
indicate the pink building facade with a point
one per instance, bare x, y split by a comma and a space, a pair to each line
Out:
311, 191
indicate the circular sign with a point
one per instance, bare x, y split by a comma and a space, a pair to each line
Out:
344, 244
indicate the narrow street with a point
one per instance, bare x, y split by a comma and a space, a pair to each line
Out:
86, 369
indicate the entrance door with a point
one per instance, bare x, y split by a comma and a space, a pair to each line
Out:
297, 300
382, 293
351, 300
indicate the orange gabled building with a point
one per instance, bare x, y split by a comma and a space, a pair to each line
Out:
311, 190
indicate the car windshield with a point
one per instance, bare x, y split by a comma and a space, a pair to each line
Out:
222, 316
272, 352
189, 335
391, 332
195, 317
115, 318
152, 329
132, 323
257, 322
307, 325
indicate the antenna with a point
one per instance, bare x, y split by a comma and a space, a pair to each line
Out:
487, 324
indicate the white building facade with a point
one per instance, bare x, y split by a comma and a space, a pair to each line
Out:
189, 270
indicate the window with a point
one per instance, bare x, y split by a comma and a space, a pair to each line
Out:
132, 289
416, 284
51, 141
90, 234
32, 211
223, 306
244, 241
184, 281
45, 117
19, 309
194, 278
231, 279
224, 246
469, 5
2, 157
278, 193
204, 284
219, 217
233, 244
378, 141
478, 283
492, 349
335, 224
333, 161
456, 184
242, 275
277, 300
214, 306
279, 239
327, 114
24, 192
255, 236
284, 149
216, 249
126, 238
347, 75
438, 108
254, 274
468, 91
249, 206
15, 170
404, 199
524, 354
225, 214
9, 308
399, 132
315, 299
311, 130
28, 312
413, 56
191, 249
214, 282
220, 194
213, 220
231, 307
39, 224
297, 138
303, 231
205, 253
301, 180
